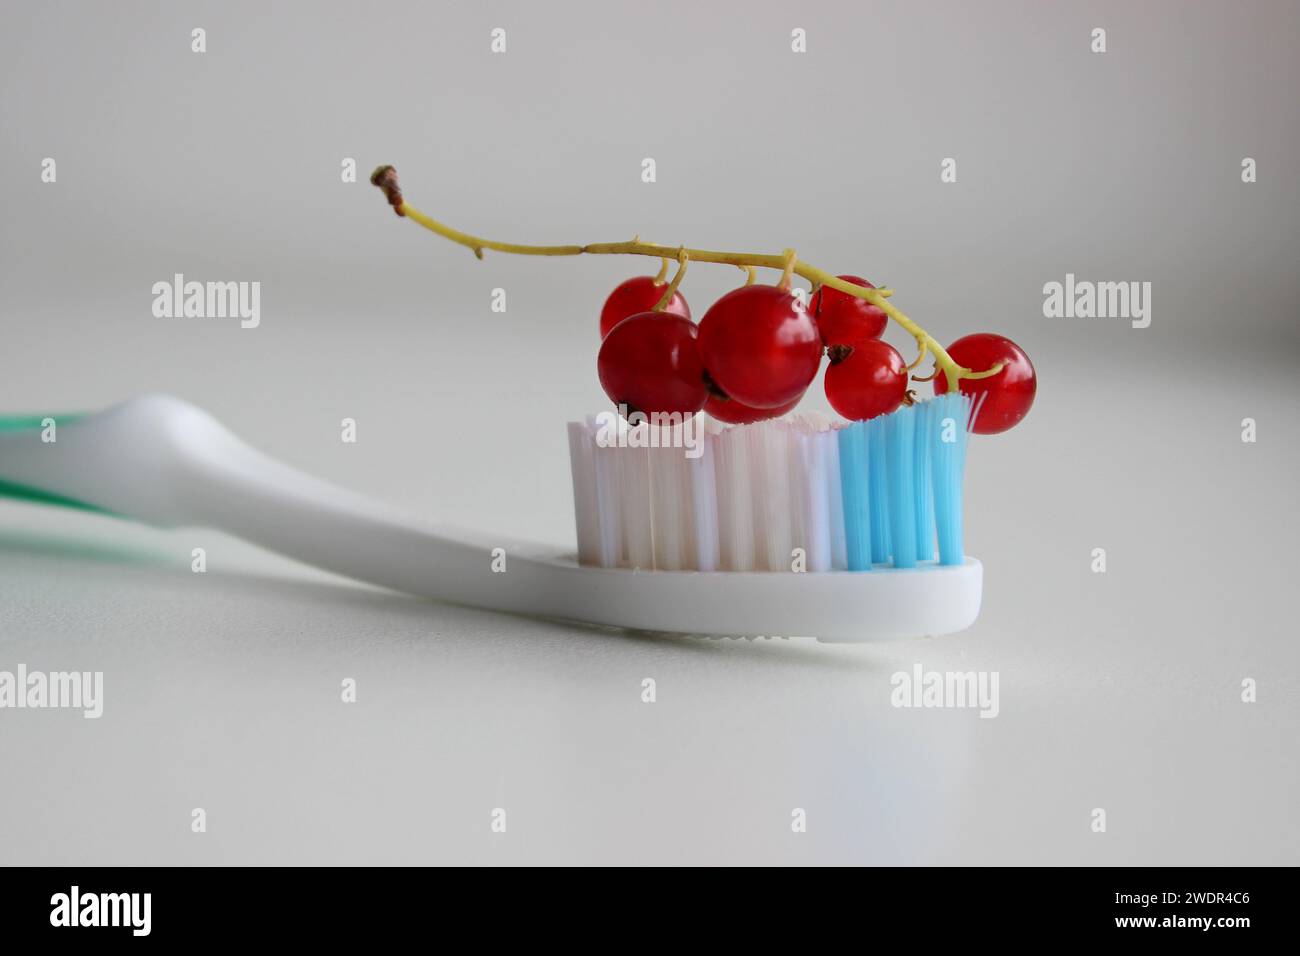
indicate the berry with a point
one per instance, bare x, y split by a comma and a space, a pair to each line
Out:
733, 412
651, 363
638, 294
760, 346
1006, 397
844, 319
865, 380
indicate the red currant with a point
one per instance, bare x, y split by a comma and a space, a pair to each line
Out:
865, 380
1002, 399
638, 294
733, 412
760, 345
650, 362
844, 319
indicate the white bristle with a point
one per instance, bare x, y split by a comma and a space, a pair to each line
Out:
609, 503
704, 501
582, 449
638, 525
808, 475
772, 506
735, 502
669, 506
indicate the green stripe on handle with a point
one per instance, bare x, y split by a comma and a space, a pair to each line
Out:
18, 423
10, 489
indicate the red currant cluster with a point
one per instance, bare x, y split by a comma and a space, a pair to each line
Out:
758, 348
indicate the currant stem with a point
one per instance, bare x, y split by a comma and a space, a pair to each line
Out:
787, 271
385, 177
920, 356
682, 259
987, 373
663, 273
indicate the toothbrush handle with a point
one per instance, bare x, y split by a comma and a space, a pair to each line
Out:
168, 463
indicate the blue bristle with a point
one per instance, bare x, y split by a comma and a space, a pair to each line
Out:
901, 485
900, 460
949, 415
853, 485
878, 490
921, 474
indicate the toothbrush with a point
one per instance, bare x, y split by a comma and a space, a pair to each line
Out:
167, 463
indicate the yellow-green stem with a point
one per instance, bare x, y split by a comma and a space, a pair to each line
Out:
682, 260
784, 263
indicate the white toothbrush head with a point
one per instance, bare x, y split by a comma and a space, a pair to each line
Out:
854, 530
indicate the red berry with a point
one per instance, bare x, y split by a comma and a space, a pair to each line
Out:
865, 380
638, 294
651, 363
731, 411
1006, 397
760, 345
844, 319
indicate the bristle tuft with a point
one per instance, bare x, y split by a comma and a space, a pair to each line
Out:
801, 493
